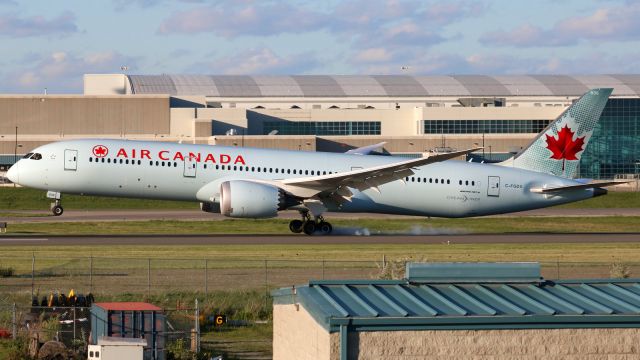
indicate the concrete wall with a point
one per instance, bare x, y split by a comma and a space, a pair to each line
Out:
105, 84
43, 119
396, 144
496, 344
71, 115
296, 335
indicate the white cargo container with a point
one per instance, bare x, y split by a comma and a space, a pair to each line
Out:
117, 348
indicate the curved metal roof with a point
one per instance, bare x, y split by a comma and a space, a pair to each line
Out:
381, 85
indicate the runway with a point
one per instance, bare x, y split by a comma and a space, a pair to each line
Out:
43, 216
519, 238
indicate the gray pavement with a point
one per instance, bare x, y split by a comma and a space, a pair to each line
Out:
518, 238
141, 215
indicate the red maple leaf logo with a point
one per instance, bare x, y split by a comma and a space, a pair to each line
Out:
100, 151
565, 148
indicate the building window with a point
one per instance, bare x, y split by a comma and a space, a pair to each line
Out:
484, 126
324, 128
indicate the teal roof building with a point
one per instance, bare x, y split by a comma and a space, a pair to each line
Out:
460, 310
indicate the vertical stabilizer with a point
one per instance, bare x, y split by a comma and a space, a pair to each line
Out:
557, 150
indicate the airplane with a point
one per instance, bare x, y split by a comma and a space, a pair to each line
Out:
258, 183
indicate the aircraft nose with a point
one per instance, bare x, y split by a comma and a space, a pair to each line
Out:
13, 174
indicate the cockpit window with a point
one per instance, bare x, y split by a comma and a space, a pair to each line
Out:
27, 156
36, 156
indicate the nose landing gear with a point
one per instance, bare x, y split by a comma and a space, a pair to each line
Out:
310, 226
56, 206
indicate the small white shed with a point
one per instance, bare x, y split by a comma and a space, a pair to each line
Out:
117, 348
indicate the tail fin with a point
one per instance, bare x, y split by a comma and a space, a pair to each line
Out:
557, 149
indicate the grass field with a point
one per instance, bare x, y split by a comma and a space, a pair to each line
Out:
29, 199
415, 226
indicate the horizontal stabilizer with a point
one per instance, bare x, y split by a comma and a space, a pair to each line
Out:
592, 185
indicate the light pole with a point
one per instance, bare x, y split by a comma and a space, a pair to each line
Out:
637, 163
15, 150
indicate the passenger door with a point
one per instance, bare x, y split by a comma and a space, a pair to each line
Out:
70, 159
493, 186
190, 166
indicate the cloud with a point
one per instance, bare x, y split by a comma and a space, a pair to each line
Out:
618, 23
15, 26
122, 4
499, 64
354, 19
260, 61
62, 72
243, 18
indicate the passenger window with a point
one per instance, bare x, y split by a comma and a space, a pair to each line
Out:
473, 183
430, 180
205, 166
90, 159
448, 181
150, 163
460, 182
466, 182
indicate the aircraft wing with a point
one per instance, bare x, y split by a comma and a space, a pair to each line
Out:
361, 179
591, 185
366, 150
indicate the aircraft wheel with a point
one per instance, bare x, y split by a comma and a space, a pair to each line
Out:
296, 226
325, 228
57, 210
309, 228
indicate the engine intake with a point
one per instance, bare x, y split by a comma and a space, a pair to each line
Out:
246, 199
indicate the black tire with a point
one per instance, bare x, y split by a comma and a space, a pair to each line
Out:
309, 227
325, 228
296, 226
57, 210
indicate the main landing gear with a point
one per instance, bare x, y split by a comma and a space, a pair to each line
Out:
310, 226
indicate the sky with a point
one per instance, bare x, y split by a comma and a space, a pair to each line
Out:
51, 44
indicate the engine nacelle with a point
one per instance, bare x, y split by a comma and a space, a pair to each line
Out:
246, 199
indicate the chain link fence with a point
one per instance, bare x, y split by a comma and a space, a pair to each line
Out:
40, 275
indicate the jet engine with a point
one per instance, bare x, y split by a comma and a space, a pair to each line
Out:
246, 199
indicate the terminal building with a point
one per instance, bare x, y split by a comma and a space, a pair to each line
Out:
411, 114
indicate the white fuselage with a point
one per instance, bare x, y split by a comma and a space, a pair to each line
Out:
170, 171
